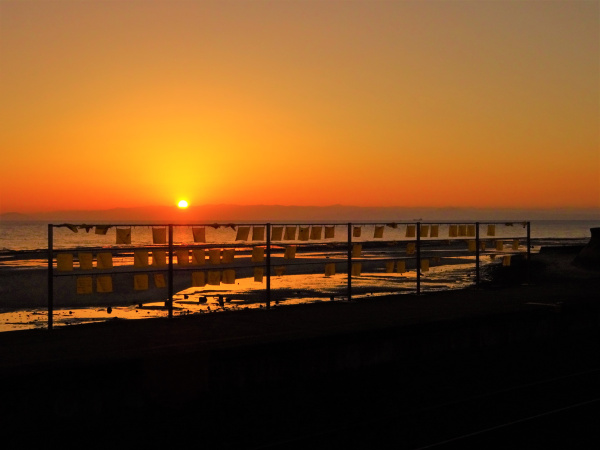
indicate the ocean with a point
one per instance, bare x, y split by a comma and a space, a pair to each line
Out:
34, 235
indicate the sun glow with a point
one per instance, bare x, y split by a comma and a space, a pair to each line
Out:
182, 204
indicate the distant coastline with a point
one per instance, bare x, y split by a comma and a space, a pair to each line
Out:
264, 213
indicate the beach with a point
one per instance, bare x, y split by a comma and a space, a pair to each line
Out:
306, 373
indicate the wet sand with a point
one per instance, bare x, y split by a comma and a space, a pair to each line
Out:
254, 377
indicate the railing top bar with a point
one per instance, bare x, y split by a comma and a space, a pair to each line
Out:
241, 224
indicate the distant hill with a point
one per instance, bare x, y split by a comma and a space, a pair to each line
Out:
272, 213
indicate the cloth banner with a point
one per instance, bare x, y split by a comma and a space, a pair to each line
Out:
199, 234
242, 233
472, 245
410, 248
356, 250
140, 282
389, 266
462, 230
123, 236
159, 258
515, 244
435, 231
356, 269
491, 230
506, 260
84, 285
411, 230
424, 265
378, 232
104, 261
424, 230
86, 261
356, 231
315, 233
258, 233
64, 262
499, 245
104, 283
159, 235
453, 231
258, 274
303, 233
471, 230
101, 229
198, 256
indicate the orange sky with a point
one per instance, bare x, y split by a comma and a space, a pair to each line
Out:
410, 103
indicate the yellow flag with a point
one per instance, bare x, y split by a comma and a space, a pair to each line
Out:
228, 255
472, 245
214, 256
84, 285
356, 250
140, 258
401, 266
86, 261
356, 269
435, 231
389, 266
290, 233
290, 252
258, 274
356, 231
198, 256
183, 257
258, 254
229, 276
198, 279
410, 248
140, 282
424, 265
104, 261
499, 245
159, 280
411, 230
123, 236
64, 262
424, 230
316, 232
199, 234
159, 258
491, 230
378, 232
453, 231
329, 269
242, 233
159, 235
258, 233
276, 233
303, 233
515, 244
462, 230
104, 283
471, 230
330, 232
214, 277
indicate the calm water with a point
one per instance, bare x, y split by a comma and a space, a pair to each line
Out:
34, 235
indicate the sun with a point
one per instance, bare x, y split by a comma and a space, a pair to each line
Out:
182, 204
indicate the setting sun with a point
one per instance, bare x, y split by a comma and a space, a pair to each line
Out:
182, 204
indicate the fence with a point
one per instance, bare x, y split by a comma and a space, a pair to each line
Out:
420, 244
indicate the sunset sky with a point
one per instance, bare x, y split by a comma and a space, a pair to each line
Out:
107, 104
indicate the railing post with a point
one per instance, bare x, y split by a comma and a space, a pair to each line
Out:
50, 275
349, 261
477, 254
418, 258
170, 304
528, 249
268, 249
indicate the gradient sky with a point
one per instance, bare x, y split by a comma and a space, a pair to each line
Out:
110, 104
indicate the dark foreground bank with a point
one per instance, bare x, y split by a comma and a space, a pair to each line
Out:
483, 367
